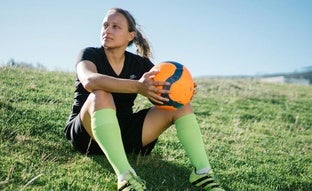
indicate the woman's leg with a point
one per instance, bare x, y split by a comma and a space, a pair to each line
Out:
98, 116
189, 134
99, 119
188, 131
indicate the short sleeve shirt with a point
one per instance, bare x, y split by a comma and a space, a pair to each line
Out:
134, 67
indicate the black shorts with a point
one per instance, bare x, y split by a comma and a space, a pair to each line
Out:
131, 136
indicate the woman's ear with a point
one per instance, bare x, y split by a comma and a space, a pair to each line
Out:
131, 36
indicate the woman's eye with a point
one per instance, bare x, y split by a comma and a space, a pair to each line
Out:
116, 27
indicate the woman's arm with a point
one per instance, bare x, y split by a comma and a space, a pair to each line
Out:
146, 86
92, 80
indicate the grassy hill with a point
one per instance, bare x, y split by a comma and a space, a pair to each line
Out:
258, 137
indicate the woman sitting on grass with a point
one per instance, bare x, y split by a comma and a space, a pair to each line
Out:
102, 119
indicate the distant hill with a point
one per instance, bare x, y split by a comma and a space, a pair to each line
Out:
301, 77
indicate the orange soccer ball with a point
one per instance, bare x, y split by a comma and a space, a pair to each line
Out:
181, 84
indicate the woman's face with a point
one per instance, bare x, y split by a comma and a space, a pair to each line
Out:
114, 31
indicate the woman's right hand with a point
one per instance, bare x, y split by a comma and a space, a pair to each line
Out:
148, 87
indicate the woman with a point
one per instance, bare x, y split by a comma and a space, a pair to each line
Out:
102, 120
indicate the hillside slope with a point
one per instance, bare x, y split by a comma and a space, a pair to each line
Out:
257, 135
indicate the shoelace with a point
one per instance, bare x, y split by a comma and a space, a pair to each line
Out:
136, 182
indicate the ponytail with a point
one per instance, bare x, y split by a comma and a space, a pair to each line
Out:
143, 48
142, 45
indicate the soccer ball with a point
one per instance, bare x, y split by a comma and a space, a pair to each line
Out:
181, 84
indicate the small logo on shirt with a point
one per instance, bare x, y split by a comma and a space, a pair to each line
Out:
131, 77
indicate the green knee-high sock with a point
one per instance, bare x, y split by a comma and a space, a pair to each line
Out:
191, 138
105, 129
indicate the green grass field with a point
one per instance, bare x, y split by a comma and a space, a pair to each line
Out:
258, 137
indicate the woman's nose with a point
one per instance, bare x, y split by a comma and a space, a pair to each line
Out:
107, 29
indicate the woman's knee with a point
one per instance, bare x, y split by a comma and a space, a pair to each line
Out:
187, 109
169, 116
99, 99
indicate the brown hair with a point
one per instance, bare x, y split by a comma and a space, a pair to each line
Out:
140, 42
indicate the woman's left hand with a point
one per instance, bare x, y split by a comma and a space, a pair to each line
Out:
149, 88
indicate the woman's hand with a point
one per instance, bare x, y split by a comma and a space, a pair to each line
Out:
195, 86
148, 87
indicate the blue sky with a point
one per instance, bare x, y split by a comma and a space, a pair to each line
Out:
210, 37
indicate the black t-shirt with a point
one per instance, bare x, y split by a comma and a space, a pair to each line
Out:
134, 67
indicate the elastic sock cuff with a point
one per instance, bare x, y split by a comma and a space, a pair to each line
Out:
185, 117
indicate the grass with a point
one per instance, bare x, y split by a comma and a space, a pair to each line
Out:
258, 137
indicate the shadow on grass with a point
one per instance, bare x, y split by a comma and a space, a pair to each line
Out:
158, 173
